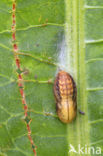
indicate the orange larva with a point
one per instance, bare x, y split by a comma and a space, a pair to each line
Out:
65, 95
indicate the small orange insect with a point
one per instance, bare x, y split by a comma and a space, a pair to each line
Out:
65, 94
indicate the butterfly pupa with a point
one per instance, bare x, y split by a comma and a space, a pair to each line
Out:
65, 95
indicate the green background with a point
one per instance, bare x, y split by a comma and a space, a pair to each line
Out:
82, 24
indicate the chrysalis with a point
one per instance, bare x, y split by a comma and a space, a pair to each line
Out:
65, 95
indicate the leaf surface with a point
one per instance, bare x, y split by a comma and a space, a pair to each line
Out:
51, 35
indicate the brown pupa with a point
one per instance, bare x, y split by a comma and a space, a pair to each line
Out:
65, 95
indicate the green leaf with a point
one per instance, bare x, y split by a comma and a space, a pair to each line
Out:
51, 35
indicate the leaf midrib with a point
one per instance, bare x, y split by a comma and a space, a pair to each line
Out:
75, 20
